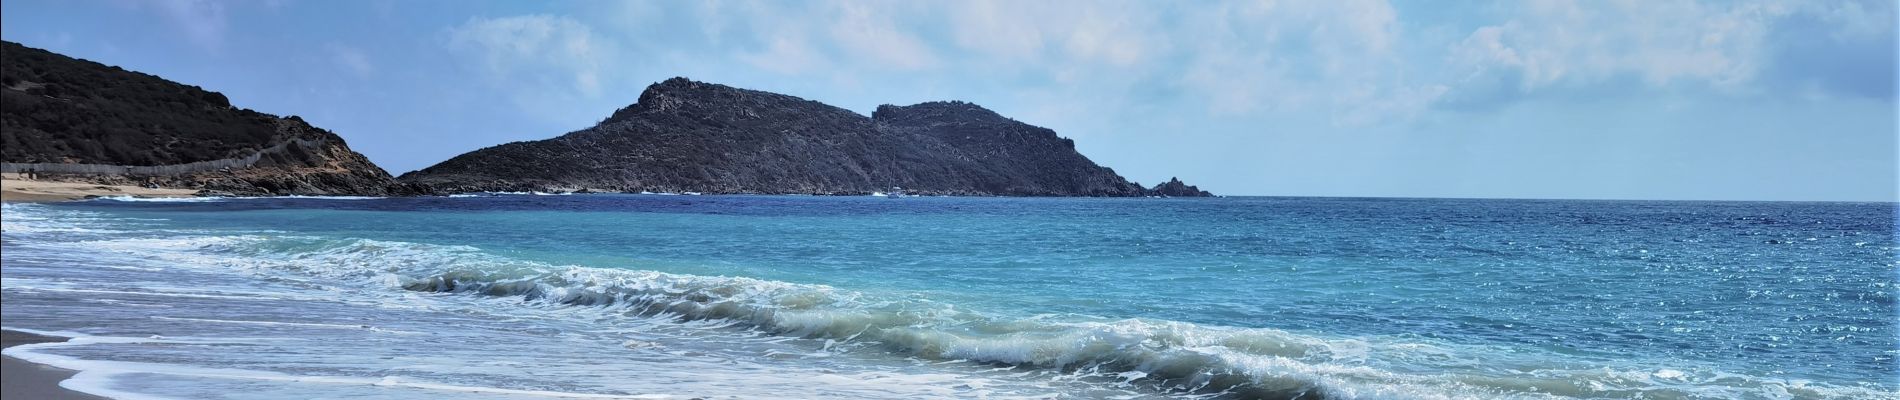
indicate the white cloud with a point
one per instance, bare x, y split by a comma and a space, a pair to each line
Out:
1853, 19
350, 59
1054, 33
201, 21
872, 33
788, 54
1005, 30
1234, 82
1726, 46
1369, 104
1550, 42
1356, 62
1334, 57
532, 50
1718, 44
830, 37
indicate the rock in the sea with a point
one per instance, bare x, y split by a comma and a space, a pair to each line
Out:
1174, 188
686, 136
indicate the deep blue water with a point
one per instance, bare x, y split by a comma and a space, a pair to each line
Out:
1225, 297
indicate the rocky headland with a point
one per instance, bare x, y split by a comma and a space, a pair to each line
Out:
76, 120
688, 136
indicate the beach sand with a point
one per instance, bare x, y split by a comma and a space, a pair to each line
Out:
20, 379
14, 188
24, 380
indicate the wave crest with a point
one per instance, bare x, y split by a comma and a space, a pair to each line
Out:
1164, 355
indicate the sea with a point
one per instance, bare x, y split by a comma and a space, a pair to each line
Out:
524, 296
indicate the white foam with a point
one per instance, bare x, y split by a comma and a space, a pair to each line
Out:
160, 199
158, 294
320, 197
1119, 350
295, 324
535, 193
63, 334
95, 377
127, 268
225, 198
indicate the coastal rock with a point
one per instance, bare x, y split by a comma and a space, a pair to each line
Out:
688, 136
80, 120
1174, 188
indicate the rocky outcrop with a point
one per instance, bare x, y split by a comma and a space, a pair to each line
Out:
990, 154
82, 120
687, 136
1174, 188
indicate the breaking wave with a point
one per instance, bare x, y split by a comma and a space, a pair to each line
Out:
1168, 356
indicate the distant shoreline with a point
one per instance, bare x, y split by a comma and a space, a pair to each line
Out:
28, 380
16, 189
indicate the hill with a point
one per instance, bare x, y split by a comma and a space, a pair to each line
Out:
79, 119
687, 136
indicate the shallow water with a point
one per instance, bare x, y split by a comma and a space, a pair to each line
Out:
521, 296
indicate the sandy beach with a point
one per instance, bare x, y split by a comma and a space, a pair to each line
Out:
15, 188
20, 379
24, 380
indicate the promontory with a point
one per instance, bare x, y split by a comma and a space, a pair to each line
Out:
689, 136
69, 119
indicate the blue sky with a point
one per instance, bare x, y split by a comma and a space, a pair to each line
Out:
1760, 100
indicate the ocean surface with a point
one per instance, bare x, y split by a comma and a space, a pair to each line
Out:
652, 296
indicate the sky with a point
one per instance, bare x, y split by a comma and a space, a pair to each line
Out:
1598, 99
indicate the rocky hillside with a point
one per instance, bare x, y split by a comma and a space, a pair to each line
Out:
98, 122
686, 136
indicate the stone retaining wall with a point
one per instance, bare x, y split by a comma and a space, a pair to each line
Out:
156, 170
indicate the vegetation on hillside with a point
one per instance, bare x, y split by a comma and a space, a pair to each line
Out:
58, 109
686, 136
55, 108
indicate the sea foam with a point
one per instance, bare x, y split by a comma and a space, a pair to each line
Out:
1168, 356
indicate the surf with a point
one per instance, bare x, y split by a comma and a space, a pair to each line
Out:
1164, 356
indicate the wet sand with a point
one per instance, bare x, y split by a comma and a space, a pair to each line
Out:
24, 380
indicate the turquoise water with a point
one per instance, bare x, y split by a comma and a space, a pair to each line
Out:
769, 296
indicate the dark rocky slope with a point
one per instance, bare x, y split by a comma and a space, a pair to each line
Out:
686, 136
93, 121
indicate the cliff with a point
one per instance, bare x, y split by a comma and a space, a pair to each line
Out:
78, 119
686, 136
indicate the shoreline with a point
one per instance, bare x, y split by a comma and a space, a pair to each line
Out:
15, 189
28, 380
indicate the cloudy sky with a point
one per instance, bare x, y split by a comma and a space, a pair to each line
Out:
1763, 100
